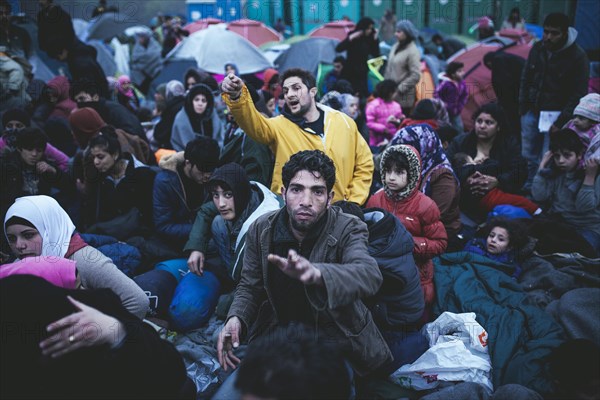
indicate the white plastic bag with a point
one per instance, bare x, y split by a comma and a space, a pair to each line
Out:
458, 352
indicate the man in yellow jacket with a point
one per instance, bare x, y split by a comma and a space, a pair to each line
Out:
305, 125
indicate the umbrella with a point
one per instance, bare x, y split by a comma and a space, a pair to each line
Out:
255, 31
333, 30
478, 77
200, 24
216, 46
138, 29
104, 57
173, 69
44, 67
108, 25
308, 54
273, 52
80, 27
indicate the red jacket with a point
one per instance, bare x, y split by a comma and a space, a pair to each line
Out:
421, 217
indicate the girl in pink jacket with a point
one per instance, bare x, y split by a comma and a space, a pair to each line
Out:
383, 114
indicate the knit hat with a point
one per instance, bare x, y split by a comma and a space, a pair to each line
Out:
85, 124
589, 107
16, 114
408, 28
234, 176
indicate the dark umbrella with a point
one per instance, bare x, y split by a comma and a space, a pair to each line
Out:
173, 69
308, 54
108, 25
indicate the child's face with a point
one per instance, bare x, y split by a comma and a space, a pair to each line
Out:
583, 123
396, 179
458, 75
31, 156
498, 241
566, 160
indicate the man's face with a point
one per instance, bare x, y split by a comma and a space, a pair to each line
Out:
298, 97
198, 176
14, 125
44, 4
337, 68
224, 201
84, 97
31, 156
553, 38
306, 199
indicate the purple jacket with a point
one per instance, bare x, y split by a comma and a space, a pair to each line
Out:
377, 112
454, 96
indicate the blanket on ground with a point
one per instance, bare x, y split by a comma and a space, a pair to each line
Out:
520, 336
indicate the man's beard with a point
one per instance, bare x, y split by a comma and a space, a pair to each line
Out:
303, 110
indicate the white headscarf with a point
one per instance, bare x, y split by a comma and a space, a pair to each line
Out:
49, 218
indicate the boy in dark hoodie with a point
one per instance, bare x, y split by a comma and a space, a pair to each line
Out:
237, 202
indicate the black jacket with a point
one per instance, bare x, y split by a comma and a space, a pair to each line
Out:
554, 81
359, 52
83, 65
142, 366
400, 299
55, 28
12, 178
106, 201
162, 130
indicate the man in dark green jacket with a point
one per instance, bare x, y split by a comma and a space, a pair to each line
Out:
308, 264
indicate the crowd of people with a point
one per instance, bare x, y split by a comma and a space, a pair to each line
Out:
312, 226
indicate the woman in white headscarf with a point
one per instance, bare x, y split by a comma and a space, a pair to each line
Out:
37, 226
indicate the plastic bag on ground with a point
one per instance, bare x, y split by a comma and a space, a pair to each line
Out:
458, 352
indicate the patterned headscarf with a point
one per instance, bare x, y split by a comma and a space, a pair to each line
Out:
424, 139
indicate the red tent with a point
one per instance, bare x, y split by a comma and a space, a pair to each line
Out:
201, 24
255, 31
516, 35
478, 77
334, 30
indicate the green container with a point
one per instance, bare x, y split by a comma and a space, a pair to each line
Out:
443, 15
527, 8
376, 8
412, 10
263, 11
346, 8
549, 6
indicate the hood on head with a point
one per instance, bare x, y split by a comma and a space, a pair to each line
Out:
60, 85
234, 176
414, 173
193, 92
269, 74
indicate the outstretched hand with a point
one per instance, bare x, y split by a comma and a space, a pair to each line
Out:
297, 267
232, 85
86, 328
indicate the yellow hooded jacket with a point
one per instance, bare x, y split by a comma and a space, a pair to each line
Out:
341, 142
